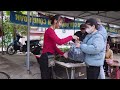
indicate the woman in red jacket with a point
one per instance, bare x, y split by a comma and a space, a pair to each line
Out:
50, 48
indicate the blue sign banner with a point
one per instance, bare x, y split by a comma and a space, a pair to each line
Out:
40, 21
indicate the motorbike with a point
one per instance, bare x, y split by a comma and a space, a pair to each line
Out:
35, 46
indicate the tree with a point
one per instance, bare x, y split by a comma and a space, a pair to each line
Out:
8, 28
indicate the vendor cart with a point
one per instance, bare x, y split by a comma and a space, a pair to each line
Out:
70, 70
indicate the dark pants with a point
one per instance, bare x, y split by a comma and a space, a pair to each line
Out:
46, 72
93, 72
106, 67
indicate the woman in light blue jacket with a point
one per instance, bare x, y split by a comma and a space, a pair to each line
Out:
93, 46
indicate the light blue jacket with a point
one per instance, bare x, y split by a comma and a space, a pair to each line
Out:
103, 31
94, 48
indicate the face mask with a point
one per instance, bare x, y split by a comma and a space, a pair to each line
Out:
89, 30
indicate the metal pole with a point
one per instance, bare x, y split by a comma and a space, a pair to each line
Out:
14, 32
74, 25
28, 43
2, 32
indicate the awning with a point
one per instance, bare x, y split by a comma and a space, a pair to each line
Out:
111, 17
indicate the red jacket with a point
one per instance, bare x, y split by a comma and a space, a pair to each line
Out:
50, 41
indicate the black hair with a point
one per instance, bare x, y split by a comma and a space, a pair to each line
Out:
92, 22
83, 26
56, 17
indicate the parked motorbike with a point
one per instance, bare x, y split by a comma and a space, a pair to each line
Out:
35, 46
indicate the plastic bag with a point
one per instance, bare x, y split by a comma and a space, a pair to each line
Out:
76, 54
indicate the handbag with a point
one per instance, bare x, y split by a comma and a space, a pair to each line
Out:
51, 60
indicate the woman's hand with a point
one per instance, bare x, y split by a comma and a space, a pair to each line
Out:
65, 54
75, 37
77, 44
109, 61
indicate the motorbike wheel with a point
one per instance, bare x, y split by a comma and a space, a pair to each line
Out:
10, 50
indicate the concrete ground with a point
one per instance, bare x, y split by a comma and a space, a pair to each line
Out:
14, 65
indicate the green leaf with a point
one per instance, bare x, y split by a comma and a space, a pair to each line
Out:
8, 13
